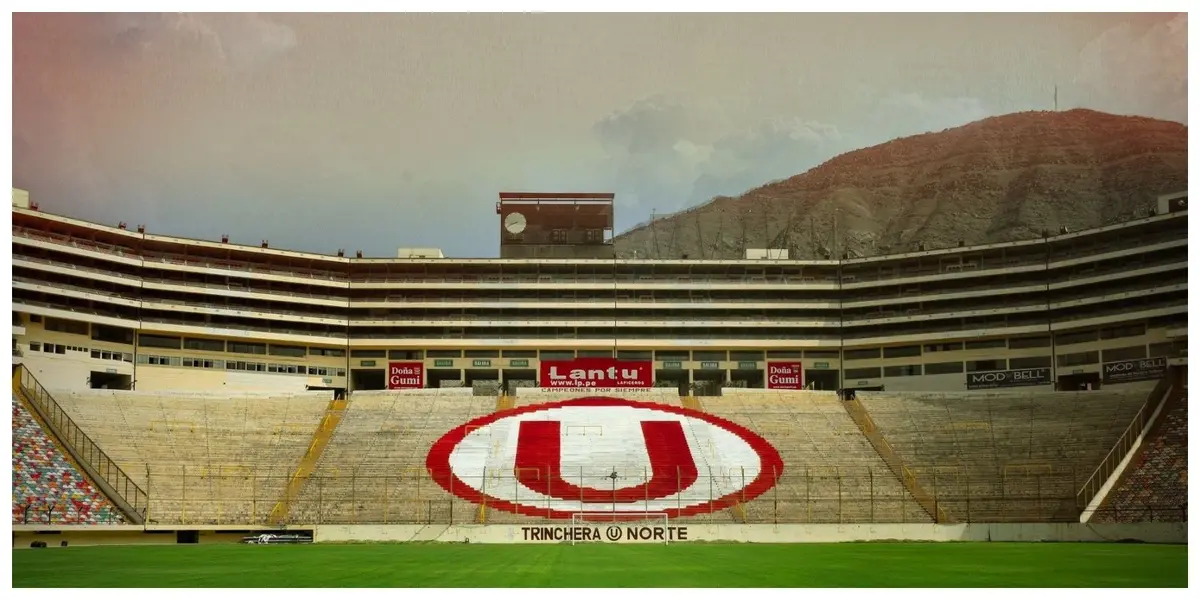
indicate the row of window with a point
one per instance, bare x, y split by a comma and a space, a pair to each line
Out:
65, 326
122, 335
238, 365
95, 353
674, 355
1064, 360
948, 368
169, 342
1020, 343
1075, 359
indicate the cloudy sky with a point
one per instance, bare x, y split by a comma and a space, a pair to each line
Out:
375, 132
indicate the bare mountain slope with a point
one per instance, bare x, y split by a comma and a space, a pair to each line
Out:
999, 179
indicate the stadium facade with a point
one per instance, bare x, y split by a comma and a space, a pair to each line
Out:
96, 306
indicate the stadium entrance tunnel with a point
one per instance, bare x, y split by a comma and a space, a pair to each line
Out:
1078, 382
338, 393
473, 376
673, 378
849, 393
368, 379
514, 375
821, 379
708, 383
749, 378
435, 377
109, 381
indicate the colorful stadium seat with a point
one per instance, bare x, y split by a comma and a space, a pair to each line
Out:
47, 488
1155, 485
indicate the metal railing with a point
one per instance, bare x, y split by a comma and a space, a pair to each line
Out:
113, 481
239, 495
1158, 396
199, 497
854, 272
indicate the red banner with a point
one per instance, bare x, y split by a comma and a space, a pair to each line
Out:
785, 376
406, 375
596, 373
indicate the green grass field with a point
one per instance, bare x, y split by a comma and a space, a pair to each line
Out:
680, 565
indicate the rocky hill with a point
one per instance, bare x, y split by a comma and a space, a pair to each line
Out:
999, 179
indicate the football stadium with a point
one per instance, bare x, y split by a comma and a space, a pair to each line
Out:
177, 403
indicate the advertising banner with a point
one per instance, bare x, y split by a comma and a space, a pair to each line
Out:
1127, 371
785, 376
596, 373
406, 375
1003, 379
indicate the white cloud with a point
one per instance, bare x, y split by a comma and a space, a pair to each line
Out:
1132, 70
773, 149
901, 114
663, 154
240, 41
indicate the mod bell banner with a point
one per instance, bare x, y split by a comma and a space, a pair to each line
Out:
1004, 379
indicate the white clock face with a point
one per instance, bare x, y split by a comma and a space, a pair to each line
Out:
514, 222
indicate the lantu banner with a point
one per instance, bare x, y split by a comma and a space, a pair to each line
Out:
1012, 378
1127, 371
597, 373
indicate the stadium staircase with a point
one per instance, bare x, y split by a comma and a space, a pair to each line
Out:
858, 413
738, 510
312, 457
78, 449
505, 402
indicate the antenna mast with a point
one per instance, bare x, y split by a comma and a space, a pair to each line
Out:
654, 232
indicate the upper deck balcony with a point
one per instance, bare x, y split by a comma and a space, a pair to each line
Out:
522, 274
1157, 243
116, 244
1063, 251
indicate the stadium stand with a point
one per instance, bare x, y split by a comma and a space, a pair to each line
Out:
373, 469
201, 458
47, 487
996, 457
220, 340
1152, 488
832, 474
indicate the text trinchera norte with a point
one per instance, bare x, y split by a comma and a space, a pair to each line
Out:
608, 533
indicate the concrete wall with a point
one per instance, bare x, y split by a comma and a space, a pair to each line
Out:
1163, 533
70, 371
954, 382
106, 535
1155, 533
171, 379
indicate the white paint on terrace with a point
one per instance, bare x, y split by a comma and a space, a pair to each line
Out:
595, 442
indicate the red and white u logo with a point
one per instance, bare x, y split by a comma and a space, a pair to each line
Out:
539, 463
602, 455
